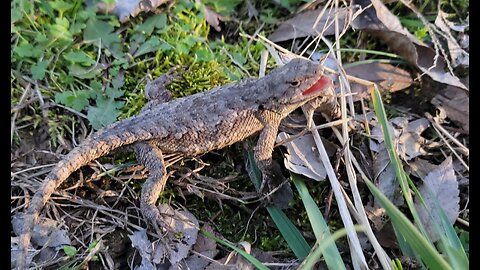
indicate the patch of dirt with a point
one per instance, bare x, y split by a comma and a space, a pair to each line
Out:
35, 148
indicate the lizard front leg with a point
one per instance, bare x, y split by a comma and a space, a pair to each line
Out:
272, 176
151, 157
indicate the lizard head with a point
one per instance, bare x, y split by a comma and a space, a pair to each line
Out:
294, 84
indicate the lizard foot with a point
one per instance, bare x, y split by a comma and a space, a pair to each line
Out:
276, 187
177, 234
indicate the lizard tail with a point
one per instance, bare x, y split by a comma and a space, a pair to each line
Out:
97, 146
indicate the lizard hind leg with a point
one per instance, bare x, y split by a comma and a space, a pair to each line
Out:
151, 157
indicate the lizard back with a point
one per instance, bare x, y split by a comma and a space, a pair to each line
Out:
198, 123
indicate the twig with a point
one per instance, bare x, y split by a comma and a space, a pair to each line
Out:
449, 146
15, 113
440, 128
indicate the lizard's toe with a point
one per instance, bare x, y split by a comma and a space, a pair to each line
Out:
277, 188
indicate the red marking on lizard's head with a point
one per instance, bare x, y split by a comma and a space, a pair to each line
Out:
322, 83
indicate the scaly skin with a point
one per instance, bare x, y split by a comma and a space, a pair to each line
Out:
191, 126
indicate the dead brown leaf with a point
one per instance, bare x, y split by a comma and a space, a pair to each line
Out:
455, 102
204, 243
182, 223
386, 236
385, 178
420, 167
301, 25
233, 260
46, 232
380, 22
457, 54
440, 188
406, 137
302, 157
388, 77
212, 18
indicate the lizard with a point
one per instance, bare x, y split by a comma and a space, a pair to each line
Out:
191, 126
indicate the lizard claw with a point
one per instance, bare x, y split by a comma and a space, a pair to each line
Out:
155, 218
276, 187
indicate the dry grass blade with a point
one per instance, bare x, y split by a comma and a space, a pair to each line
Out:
15, 113
351, 177
343, 209
360, 211
436, 127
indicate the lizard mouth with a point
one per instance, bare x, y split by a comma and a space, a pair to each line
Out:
322, 83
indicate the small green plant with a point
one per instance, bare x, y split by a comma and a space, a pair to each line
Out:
70, 251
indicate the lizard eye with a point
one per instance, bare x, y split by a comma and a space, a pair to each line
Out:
294, 83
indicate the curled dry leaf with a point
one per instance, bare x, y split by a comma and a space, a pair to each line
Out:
204, 243
377, 215
302, 24
440, 188
387, 77
380, 22
197, 262
45, 233
147, 251
186, 225
126, 8
204, 246
212, 18
175, 246
455, 103
406, 137
302, 157
457, 54
233, 260
386, 236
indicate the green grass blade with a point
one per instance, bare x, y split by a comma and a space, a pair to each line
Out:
456, 257
250, 258
402, 177
450, 241
319, 225
321, 246
290, 233
425, 250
